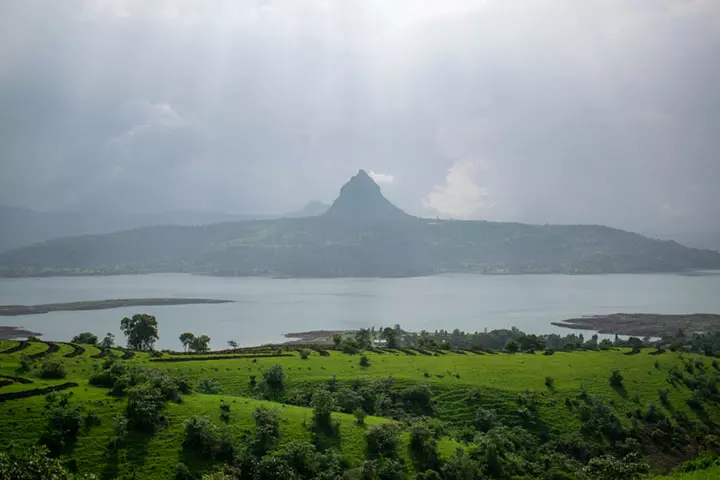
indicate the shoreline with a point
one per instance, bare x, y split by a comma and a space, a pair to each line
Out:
17, 310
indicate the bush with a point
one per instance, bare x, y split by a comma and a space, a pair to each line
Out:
512, 346
182, 472
53, 368
382, 440
267, 431
145, 402
364, 362
485, 419
26, 363
304, 354
423, 446
322, 404
274, 378
616, 380
31, 464
607, 467
360, 415
208, 385
549, 381
85, 337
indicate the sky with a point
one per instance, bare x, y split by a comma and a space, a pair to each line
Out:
542, 111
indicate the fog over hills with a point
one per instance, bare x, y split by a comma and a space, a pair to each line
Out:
362, 234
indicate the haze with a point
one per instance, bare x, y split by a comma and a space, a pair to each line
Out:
539, 111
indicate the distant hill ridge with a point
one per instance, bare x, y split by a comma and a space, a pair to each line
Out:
361, 235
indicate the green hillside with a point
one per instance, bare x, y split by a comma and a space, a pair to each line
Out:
362, 234
556, 410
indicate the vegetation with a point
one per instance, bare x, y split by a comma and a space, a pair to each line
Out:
141, 331
85, 337
431, 408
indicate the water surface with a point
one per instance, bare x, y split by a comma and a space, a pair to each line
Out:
265, 309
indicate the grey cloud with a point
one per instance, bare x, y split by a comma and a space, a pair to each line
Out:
552, 111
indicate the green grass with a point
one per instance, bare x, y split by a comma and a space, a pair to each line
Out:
495, 379
711, 473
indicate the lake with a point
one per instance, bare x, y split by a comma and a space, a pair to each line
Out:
265, 309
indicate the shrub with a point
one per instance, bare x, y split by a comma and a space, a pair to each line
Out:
460, 466
663, 394
382, 440
607, 467
274, 378
549, 381
145, 402
485, 419
360, 415
423, 446
53, 368
85, 337
549, 352
26, 363
616, 379
322, 404
267, 431
30, 465
304, 354
208, 385
364, 362
200, 433
182, 472
512, 346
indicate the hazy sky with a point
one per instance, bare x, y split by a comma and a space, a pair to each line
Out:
544, 111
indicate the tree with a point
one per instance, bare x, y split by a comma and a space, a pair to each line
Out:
362, 337
232, 344
185, 339
108, 341
200, 344
31, 464
337, 339
141, 331
390, 336
512, 346
322, 404
85, 337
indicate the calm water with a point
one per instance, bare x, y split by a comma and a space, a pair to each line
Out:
265, 309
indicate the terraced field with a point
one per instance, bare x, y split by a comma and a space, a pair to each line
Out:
460, 382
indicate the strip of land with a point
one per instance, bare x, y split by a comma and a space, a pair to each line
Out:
315, 336
13, 310
8, 333
645, 324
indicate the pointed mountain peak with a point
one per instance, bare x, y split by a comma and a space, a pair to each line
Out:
362, 201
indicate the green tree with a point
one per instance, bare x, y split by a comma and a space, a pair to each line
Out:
141, 331
85, 337
108, 341
337, 340
232, 344
390, 336
512, 346
32, 464
186, 338
363, 338
322, 404
200, 344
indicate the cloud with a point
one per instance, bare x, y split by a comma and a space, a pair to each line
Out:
459, 196
381, 178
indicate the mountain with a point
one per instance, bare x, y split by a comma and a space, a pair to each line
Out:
704, 239
312, 209
362, 234
23, 227
362, 203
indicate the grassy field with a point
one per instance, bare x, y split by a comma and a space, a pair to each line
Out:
459, 384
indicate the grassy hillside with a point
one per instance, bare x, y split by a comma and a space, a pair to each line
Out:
459, 382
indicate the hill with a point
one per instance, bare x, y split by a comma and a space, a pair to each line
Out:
362, 234
22, 227
546, 416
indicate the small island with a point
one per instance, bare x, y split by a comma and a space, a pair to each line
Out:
645, 324
14, 310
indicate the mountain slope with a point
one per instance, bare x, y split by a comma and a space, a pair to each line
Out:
362, 234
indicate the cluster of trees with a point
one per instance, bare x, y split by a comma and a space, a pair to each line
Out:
195, 343
92, 339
